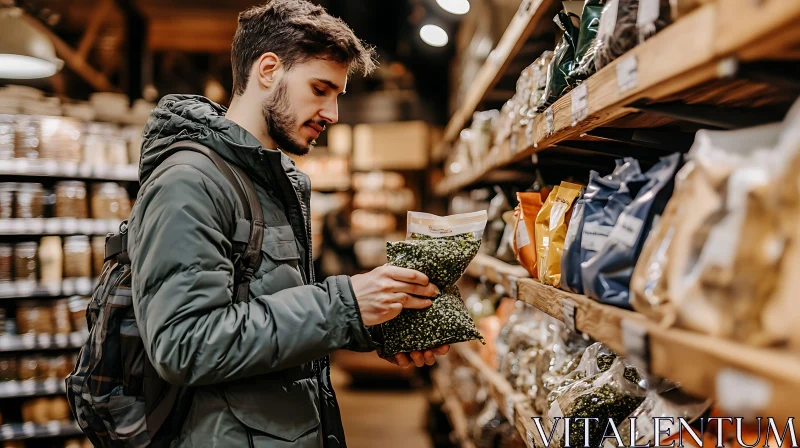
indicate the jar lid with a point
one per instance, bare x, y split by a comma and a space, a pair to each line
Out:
28, 245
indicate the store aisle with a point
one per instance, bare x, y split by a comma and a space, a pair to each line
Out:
385, 418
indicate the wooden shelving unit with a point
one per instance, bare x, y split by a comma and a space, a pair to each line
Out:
452, 408
694, 60
496, 271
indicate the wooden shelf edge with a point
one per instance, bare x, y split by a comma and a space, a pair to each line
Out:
515, 35
704, 365
496, 271
683, 55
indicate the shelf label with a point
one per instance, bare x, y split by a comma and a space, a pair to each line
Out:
568, 311
28, 429
627, 73
53, 428
580, 103
608, 21
742, 394
549, 121
648, 12
510, 409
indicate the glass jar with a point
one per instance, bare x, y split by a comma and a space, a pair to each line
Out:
61, 317
6, 263
77, 310
117, 151
77, 257
7, 191
27, 137
98, 255
60, 366
51, 260
30, 201
8, 369
34, 317
25, 263
7, 133
60, 139
71, 200
94, 145
107, 201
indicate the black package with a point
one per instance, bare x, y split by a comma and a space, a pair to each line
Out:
562, 62
617, 32
586, 45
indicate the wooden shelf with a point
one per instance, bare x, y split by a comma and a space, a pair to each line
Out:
514, 405
704, 46
32, 388
68, 170
28, 342
496, 271
530, 14
452, 408
58, 226
741, 378
22, 431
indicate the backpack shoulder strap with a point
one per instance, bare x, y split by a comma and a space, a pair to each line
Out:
246, 262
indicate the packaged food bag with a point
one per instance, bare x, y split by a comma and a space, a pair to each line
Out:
652, 17
562, 62
586, 45
441, 248
505, 251
524, 241
570, 271
617, 32
613, 395
540, 69
495, 225
609, 271
567, 349
558, 223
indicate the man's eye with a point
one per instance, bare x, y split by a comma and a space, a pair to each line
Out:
318, 91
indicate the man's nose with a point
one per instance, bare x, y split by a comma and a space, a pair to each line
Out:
330, 113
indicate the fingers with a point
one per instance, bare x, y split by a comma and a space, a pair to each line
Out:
402, 360
407, 275
430, 359
441, 350
429, 290
419, 359
415, 303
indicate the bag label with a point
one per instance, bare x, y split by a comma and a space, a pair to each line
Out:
608, 20
627, 230
594, 236
523, 239
648, 12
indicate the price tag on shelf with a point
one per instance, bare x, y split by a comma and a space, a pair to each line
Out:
510, 409
580, 103
627, 73
29, 429
53, 428
7, 431
28, 387
568, 311
549, 121
740, 393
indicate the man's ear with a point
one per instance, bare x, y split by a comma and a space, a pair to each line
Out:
266, 68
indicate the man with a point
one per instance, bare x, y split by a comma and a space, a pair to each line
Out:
258, 369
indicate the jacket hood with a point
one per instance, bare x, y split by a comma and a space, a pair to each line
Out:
196, 118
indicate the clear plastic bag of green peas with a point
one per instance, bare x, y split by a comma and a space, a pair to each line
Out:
441, 247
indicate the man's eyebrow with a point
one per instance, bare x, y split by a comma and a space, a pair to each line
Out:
330, 84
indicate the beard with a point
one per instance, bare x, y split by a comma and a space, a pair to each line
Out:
280, 121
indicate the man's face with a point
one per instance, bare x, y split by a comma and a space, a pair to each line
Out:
303, 102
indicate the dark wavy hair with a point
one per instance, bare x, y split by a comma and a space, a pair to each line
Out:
296, 31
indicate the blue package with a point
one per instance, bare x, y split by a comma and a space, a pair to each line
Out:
607, 275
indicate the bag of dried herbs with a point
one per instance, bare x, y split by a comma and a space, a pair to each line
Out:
610, 395
568, 348
441, 248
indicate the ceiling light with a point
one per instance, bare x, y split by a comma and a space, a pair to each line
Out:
433, 35
458, 7
25, 53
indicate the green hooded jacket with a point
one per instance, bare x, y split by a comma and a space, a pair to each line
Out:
258, 369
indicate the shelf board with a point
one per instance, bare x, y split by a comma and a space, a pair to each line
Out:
16, 343
699, 48
21, 431
69, 286
514, 405
453, 409
71, 170
762, 380
522, 25
58, 226
496, 271
31, 388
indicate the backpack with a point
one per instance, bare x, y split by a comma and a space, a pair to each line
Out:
114, 392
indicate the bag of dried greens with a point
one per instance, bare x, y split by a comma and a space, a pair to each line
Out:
441, 248
665, 402
567, 349
523, 331
586, 46
611, 395
596, 359
617, 32
562, 62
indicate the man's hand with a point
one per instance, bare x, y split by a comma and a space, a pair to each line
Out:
428, 357
383, 293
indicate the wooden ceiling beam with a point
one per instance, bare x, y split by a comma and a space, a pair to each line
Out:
191, 34
71, 57
95, 23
